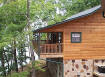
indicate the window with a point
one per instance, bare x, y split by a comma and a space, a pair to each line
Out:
75, 37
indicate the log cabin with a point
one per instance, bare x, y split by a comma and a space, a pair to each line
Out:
78, 42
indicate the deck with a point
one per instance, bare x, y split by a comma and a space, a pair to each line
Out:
49, 45
51, 50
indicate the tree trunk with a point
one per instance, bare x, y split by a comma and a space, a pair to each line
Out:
15, 58
3, 63
33, 62
21, 58
7, 60
30, 41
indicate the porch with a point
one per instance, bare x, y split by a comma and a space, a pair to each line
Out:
49, 45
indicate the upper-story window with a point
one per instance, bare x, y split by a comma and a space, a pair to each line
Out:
76, 37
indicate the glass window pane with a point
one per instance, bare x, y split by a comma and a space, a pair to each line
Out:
75, 37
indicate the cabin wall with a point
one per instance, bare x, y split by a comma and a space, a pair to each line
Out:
92, 45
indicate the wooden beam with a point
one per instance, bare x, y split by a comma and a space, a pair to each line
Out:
56, 55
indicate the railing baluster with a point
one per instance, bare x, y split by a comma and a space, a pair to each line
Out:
41, 47
55, 47
51, 48
41, 51
59, 46
45, 48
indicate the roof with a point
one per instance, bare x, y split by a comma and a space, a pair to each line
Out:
76, 16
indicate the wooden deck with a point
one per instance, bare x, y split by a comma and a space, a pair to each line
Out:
51, 51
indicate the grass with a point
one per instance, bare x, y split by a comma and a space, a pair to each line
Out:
20, 74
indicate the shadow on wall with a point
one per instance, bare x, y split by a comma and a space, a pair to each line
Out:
56, 69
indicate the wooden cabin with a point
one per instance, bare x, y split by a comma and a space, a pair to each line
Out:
78, 41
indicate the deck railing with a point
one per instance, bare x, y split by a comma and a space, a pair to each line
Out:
51, 48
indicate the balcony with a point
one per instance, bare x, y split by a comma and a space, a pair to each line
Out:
50, 45
51, 50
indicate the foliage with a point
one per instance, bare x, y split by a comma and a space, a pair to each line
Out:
20, 74
12, 22
38, 66
53, 11
75, 6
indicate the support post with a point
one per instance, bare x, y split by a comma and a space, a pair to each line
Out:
63, 69
39, 45
58, 70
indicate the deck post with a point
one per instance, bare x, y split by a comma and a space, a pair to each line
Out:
39, 45
57, 70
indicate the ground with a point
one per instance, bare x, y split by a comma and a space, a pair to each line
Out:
39, 73
43, 74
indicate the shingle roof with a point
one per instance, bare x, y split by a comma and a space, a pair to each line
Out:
78, 15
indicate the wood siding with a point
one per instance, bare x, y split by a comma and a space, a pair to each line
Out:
93, 37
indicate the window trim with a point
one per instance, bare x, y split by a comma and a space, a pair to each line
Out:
80, 37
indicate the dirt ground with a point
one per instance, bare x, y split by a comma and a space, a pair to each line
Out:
43, 74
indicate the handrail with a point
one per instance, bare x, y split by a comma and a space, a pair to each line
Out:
51, 48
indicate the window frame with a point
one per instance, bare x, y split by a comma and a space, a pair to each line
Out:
80, 37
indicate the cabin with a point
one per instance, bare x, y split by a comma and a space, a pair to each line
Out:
77, 42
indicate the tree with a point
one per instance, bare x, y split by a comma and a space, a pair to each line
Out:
13, 21
75, 6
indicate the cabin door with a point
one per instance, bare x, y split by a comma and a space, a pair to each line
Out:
56, 38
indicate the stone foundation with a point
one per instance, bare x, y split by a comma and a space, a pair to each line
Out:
75, 68
78, 68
